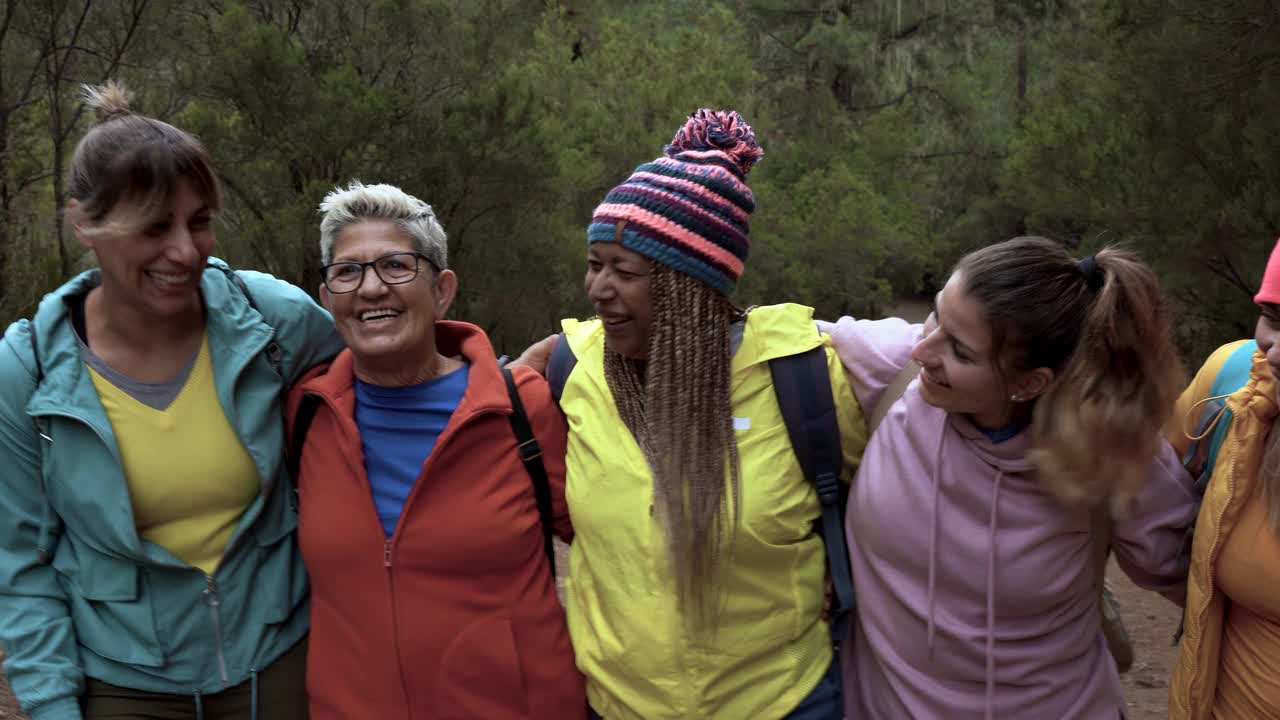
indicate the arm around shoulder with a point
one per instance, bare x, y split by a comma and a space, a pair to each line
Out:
304, 330
849, 416
1150, 539
873, 352
42, 660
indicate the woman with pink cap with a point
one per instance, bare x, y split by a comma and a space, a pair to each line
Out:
1229, 666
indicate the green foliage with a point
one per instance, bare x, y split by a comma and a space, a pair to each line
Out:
898, 134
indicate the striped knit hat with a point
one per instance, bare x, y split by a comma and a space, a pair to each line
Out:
689, 209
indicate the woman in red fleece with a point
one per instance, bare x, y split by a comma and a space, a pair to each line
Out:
432, 597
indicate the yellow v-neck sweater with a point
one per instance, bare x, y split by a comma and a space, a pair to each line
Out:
189, 477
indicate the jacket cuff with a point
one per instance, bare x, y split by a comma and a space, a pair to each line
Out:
60, 709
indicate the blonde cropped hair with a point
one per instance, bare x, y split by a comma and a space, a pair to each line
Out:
359, 202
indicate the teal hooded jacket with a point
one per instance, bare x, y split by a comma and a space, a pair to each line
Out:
80, 594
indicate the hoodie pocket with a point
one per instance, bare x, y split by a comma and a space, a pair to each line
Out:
111, 614
480, 674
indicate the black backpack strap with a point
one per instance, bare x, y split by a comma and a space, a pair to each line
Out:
803, 390
301, 424
559, 366
531, 456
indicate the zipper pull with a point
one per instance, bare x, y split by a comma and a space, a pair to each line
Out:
386, 553
211, 591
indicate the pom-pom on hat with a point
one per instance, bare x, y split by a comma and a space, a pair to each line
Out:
689, 209
1270, 291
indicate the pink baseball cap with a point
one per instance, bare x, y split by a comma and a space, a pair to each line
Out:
1270, 291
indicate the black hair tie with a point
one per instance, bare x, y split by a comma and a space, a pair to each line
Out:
1092, 275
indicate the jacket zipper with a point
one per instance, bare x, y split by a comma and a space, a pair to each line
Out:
395, 625
210, 592
211, 599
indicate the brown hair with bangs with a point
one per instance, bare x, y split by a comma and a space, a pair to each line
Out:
135, 160
1102, 327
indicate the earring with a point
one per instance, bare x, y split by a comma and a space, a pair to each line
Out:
1015, 398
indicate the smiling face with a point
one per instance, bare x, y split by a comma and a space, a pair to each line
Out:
382, 323
617, 283
958, 370
156, 269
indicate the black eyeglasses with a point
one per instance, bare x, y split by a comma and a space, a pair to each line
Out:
393, 269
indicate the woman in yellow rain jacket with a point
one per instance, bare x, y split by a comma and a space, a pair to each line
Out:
696, 577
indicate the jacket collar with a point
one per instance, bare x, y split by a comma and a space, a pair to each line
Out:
235, 331
486, 389
774, 331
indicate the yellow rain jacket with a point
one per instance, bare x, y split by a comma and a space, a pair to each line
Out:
1234, 482
772, 646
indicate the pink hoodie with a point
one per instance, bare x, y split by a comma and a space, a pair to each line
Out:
975, 589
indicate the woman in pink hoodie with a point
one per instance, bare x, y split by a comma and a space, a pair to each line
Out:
1041, 395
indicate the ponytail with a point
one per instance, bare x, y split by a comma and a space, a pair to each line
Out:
1094, 432
1102, 326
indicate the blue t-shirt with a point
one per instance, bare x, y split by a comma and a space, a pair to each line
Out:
398, 430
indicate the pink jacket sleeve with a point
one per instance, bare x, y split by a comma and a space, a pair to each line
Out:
873, 351
1149, 540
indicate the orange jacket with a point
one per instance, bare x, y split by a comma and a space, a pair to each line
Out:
455, 616
1234, 482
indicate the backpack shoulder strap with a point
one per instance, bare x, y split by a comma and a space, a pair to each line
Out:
272, 350
803, 390
531, 456
891, 395
35, 351
559, 366
301, 424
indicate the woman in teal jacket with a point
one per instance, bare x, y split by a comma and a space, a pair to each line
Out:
148, 564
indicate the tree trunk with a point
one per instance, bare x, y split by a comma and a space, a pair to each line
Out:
5, 199
59, 143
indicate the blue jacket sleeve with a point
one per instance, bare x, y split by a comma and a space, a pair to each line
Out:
304, 330
42, 660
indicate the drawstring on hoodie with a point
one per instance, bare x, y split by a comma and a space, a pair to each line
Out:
253, 695
253, 698
992, 527
991, 597
933, 536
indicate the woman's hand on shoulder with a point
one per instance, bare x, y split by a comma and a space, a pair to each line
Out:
536, 355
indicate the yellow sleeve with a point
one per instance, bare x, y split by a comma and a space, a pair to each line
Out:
1185, 412
853, 426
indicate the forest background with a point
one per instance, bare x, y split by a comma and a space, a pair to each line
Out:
898, 134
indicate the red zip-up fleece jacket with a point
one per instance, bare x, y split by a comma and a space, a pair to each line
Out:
455, 617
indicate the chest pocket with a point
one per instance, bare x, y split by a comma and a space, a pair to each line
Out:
111, 615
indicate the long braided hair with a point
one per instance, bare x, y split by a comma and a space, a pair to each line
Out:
677, 405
